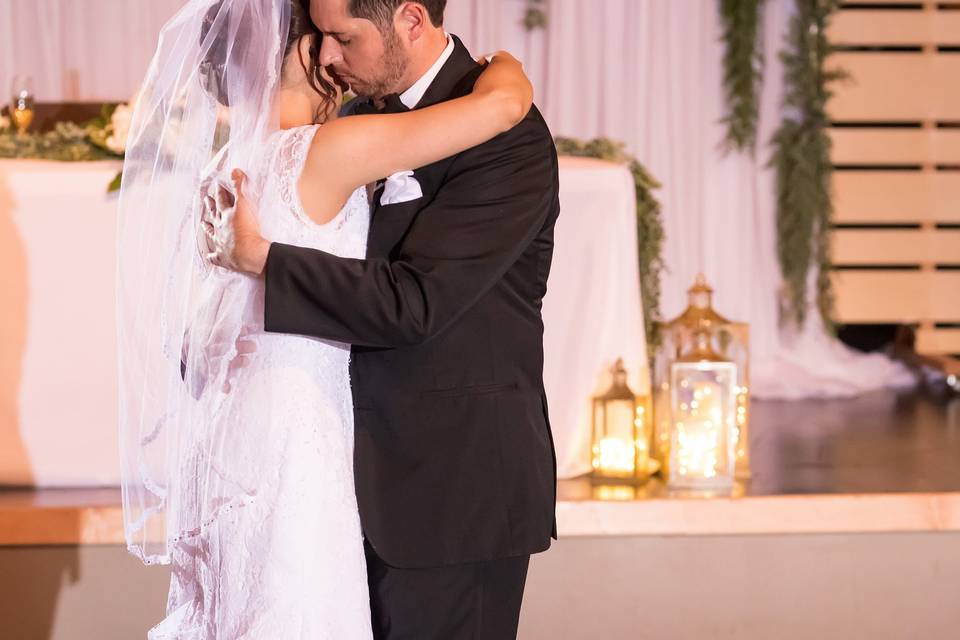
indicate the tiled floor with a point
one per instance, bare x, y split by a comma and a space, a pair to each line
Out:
882, 442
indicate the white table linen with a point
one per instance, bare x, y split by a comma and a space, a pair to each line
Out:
58, 397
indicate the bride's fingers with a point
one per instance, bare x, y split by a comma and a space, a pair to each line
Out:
205, 245
484, 60
212, 210
241, 361
209, 237
245, 348
209, 206
225, 199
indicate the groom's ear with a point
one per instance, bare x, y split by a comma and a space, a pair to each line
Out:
411, 20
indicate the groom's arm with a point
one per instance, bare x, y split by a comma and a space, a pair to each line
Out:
494, 203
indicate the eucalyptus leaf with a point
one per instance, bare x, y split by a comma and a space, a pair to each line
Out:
801, 157
742, 70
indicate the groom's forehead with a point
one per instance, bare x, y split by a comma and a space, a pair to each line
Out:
330, 16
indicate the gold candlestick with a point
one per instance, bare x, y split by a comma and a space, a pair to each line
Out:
22, 103
22, 118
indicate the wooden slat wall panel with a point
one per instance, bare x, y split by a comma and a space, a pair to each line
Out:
898, 184
889, 87
897, 296
866, 247
945, 249
881, 28
895, 28
890, 197
938, 341
946, 28
945, 146
879, 87
895, 146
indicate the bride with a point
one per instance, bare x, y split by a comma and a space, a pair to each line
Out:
236, 445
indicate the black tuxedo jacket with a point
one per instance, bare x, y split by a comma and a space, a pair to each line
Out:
454, 457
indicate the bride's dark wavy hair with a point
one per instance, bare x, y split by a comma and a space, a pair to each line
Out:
302, 25
218, 61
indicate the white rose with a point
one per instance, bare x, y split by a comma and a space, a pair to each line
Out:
120, 129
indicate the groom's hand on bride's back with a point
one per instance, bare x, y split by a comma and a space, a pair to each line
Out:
250, 249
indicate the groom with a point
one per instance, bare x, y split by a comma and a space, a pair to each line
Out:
454, 462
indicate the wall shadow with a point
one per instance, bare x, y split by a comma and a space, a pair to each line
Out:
15, 466
30, 593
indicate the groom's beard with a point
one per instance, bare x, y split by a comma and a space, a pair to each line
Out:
395, 65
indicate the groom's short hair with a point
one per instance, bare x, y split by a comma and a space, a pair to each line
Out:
380, 12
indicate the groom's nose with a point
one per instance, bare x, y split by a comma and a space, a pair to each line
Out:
330, 52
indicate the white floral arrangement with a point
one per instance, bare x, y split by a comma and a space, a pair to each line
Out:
102, 138
111, 130
119, 128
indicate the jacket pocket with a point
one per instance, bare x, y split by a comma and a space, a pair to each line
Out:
476, 390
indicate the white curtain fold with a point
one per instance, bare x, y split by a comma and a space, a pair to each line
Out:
79, 51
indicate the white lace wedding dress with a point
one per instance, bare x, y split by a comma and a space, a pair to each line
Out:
288, 563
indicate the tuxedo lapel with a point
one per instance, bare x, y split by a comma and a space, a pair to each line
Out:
458, 67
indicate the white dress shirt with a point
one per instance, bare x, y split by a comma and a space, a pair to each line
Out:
412, 96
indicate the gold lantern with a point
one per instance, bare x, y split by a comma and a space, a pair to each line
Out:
621, 434
703, 398
730, 341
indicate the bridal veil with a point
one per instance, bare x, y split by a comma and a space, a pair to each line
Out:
205, 107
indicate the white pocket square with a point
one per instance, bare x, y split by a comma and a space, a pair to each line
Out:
400, 187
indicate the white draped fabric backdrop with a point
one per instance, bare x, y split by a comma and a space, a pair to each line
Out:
646, 72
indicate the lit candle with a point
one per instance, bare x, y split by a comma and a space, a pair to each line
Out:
615, 455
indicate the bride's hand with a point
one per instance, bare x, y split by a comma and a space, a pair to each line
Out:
507, 87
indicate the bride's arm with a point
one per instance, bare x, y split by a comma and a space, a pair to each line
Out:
354, 151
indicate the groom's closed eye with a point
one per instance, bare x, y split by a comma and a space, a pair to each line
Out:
341, 38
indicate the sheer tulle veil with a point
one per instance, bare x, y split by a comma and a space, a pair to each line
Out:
206, 106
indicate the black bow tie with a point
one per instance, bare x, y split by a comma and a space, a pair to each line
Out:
391, 104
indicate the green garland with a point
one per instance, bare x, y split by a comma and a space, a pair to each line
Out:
649, 221
67, 142
802, 161
536, 15
742, 70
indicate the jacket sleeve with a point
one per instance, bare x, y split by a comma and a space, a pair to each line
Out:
493, 204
